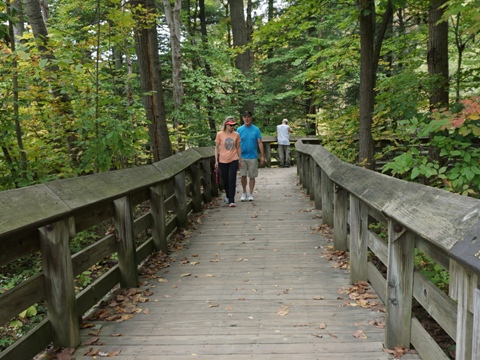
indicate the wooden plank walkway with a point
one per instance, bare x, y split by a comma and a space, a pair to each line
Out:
260, 288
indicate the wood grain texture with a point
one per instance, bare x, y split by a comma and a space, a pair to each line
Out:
258, 287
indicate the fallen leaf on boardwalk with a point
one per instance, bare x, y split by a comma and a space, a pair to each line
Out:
318, 335
323, 326
195, 263
283, 311
398, 352
146, 311
91, 352
194, 255
95, 333
329, 333
377, 324
206, 276
286, 291
215, 260
148, 292
251, 239
116, 335
91, 341
276, 250
124, 317
162, 280
114, 353
239, 259
319, 298
66, 354
86, 325
187, 274
213, 305
184, 261
167, 296
241, 299
359, 334
254, 216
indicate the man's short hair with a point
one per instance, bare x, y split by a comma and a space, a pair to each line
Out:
285, 121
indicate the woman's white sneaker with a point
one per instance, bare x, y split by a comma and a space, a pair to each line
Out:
243, 197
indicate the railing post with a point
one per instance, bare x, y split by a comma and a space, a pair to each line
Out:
207, 181
327, 199
181, 200
299, 166
311, 178
123, 218
305, 173
268, 154
476, 325
157, 209
340, 214
317, 186
358, 240
401, 246
463, 281
196, 188
59, 284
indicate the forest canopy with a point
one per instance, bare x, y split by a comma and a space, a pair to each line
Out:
101, 85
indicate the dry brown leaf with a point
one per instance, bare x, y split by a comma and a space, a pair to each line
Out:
91, 341
319, 298
323, 326
359, 334
318, 335
187, 274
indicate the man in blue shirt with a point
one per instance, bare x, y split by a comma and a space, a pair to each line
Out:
250, 142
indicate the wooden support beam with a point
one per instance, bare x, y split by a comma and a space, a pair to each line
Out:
59, 282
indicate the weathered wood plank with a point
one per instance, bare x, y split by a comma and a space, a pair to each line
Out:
257, 286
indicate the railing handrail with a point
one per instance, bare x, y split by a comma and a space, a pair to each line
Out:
443, 225
46, 217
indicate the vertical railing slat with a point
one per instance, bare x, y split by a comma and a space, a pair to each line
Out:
401, 246
59, 283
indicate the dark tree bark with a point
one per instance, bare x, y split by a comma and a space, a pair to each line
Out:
437, 56
208, 69
146, 44
240, 40
367, 95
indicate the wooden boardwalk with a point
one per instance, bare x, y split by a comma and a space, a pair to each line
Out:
259, 288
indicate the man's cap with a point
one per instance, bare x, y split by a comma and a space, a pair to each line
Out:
247, 113
231, 122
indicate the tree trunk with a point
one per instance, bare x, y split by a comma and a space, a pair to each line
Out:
438, 54
208, 69
437, 58
174, 24
240, 40
146, 44
367, 95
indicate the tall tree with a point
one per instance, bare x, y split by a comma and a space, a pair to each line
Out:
240, 41
437, 58
174, 23
146, 44
437, 55
367, 95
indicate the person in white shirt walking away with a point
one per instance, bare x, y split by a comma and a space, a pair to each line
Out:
283, 138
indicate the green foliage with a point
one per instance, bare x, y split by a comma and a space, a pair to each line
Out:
454, 133
434, 272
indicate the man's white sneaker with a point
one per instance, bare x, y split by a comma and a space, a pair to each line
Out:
226, 200
243, 197
250, 197
232, 205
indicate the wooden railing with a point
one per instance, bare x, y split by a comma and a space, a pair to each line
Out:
270, 146
442, 225
44, 218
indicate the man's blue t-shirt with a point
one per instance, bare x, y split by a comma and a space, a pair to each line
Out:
249, 136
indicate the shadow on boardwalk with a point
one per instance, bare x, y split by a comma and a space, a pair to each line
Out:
251, 282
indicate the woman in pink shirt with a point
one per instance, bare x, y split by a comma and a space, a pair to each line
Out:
227, 156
